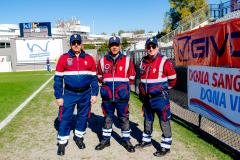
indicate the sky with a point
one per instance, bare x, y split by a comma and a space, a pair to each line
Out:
107, 16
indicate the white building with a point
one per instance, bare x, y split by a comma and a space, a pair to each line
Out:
23, 53
8, 31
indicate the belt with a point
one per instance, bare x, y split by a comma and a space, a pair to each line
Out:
79, 90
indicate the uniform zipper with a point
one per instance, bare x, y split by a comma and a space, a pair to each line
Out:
113, 80
147, 77
78, 66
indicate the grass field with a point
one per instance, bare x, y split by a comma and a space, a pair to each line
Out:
32, 129
15, 87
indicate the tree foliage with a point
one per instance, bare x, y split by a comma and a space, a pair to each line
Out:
125, 43
103, 48
120, 32
180, 10
160, 34
89, 46
138, 31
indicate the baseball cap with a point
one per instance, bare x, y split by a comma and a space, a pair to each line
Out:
75, 37
114, 40
152, 40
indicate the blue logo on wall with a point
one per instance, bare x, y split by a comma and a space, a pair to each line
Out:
41, 51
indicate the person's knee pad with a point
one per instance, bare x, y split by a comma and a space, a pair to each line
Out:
166, 128
107, 122
124, 122
148, 126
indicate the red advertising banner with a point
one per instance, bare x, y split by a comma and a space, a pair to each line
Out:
213, 45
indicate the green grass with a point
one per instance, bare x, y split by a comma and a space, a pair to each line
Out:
29, 123
201, 148
15, 87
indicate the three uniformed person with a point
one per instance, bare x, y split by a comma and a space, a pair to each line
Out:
115, 72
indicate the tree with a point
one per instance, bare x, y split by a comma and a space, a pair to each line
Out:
103, 48
160, 34
89, 46
125, 43
120, 32
139, 31
180, 10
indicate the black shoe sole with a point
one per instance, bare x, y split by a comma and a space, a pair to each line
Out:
61, 153
141, 147
98, 149
160, 155
82, 147
131, 151
130, 148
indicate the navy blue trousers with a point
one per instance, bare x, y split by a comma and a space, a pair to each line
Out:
123, 116
71, 99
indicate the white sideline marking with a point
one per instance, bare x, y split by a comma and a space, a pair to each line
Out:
20, 107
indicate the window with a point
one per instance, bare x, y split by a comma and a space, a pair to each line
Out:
2, 45
7, 45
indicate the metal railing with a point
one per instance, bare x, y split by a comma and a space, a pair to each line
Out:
188, 23
206, 14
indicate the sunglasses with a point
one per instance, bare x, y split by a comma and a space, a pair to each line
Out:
151, 46
114, 44
75, 42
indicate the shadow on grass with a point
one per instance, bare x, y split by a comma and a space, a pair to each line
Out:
95, 124
207, 138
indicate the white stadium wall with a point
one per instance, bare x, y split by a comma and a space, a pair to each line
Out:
32, 51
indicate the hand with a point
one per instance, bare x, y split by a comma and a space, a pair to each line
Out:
93, 99
59, 102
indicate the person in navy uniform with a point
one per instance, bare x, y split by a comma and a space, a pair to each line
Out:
75, 83
115, 72
157, 76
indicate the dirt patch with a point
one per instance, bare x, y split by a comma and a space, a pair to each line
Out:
31, 135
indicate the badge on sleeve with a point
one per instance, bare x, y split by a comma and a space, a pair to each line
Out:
107, 68
154, 70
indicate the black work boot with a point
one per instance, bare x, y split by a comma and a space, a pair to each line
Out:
61, 149
163, 151
128, 146
143, 144
79, 142
103, 144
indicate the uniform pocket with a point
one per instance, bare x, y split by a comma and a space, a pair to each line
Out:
141, 89
155, 90
166, 113
122, 92
106, 92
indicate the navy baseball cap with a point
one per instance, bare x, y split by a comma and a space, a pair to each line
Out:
114, 40
152, 40
75, 37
